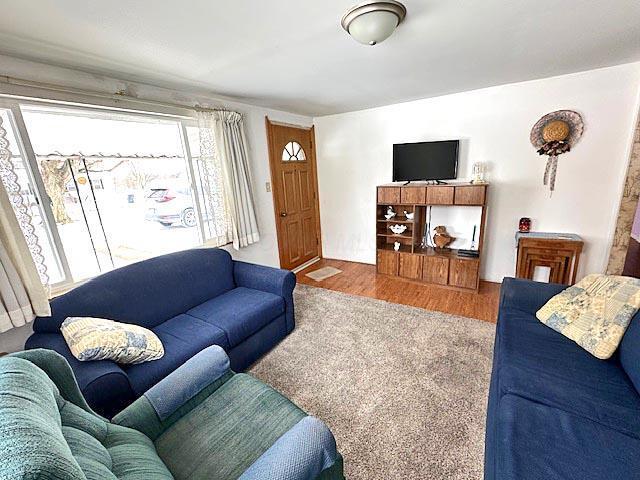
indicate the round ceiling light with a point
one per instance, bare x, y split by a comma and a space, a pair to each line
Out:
373, 22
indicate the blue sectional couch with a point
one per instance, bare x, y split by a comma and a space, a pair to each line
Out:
191, 300
556, 412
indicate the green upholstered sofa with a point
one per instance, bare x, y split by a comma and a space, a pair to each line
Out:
203, 421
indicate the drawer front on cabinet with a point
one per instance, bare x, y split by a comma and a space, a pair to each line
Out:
389, 195
435, 270
440, 195
470, 195
387, 262
410, 266
464, 273
413, 195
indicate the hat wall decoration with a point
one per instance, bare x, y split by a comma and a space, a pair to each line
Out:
554, 134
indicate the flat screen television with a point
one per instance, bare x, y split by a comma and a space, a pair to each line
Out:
425, 161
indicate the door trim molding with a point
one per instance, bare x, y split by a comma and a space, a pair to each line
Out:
316, 202
270, 145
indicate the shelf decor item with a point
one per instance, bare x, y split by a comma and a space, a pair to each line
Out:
396, 246
524, 225
478, 172
390, 213
409, 215
441, 238
398, 229
553, 135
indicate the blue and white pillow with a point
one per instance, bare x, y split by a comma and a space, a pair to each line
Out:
91, 338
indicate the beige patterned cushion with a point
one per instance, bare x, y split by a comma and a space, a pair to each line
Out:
100, 339
595, 312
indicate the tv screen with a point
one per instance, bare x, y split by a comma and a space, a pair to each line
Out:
425, 161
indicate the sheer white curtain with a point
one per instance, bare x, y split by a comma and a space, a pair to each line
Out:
217, 224
22, 293
227, 157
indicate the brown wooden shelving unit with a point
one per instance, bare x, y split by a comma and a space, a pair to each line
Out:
443, 267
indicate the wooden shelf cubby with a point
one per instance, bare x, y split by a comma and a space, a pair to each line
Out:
426, 264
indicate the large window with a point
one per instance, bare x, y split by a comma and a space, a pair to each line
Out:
105, 188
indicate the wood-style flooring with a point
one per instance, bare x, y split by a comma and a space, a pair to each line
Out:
362, 279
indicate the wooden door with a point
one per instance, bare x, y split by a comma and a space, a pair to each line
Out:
435, 269
295, 193
410, 266
387, 262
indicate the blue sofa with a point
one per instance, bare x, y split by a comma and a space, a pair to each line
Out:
556, 412
191, 300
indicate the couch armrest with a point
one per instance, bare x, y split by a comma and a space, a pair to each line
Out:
104, 385
527, 295
302, 453
268, 279
177, 393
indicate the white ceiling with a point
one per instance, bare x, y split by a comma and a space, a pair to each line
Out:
293, 54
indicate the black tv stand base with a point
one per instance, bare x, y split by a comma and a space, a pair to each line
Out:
430, 182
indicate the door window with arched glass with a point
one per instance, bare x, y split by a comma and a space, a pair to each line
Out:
293, 152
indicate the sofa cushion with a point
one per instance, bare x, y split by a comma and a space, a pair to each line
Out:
104, 450
240, 312
536, 442
182, 336
146, 293
630, 351
538, 363
228, 431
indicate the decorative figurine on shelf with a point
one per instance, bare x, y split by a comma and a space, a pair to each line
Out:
390, 213
478, 171
554, 134
398, 229
396, 246
409, 215
441, 238
524, 225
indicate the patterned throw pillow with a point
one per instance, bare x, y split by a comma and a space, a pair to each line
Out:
100, 339
595, 312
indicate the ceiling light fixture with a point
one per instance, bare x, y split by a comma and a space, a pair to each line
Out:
373, 22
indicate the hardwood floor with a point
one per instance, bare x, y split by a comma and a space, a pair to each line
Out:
362, 279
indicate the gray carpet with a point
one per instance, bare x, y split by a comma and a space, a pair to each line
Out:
403, 389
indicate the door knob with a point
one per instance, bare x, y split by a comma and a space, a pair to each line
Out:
283, 214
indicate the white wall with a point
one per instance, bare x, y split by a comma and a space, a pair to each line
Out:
264, 252
355, 154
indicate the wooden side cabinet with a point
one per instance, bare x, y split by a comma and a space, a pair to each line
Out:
558, 252
387, 262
